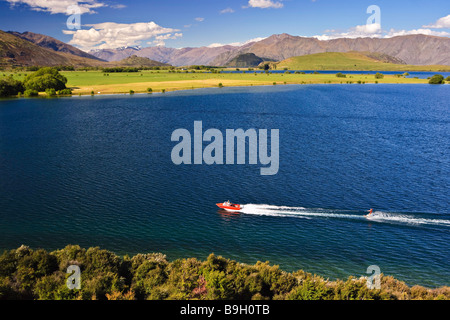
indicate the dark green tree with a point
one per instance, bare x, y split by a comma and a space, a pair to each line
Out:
436, 79
45, 78
10, 87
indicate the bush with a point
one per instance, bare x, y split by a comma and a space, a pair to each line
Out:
30, 93
149, 90
38, 274
10, 87
45, 78
65, 92
220, 85
50, 92
131, 91
379, 75
340, 75
447, 79
436, 79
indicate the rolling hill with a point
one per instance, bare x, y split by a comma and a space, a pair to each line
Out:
135, 61
245, 60
361, 61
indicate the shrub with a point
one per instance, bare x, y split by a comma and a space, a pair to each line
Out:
436, 79
131, 91
447, 79
220, 85
30, 93
38, 274
50, 92
149, 90
379, 75
65, 92
340, 75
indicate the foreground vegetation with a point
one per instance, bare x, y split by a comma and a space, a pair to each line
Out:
37, 274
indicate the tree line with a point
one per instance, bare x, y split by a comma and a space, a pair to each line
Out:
38, 274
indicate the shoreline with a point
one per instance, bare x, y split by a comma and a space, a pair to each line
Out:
91, 83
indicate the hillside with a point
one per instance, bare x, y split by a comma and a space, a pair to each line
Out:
52, 44
15, 51
135, 61
351, 61
246, 60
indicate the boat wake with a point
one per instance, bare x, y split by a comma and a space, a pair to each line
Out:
311, 213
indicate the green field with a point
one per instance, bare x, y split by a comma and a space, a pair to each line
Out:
85, 82
354, 61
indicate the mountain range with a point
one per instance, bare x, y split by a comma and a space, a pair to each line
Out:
32, 49
411, 49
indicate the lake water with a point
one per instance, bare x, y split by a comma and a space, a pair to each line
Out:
97, 171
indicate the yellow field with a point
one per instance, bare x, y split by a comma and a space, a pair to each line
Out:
123, 83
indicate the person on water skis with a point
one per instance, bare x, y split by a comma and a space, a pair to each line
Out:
370, 212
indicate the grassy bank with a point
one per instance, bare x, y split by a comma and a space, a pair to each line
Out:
38, 274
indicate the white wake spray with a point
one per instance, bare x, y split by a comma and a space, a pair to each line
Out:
308, 213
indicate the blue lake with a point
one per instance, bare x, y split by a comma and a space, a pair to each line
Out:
97, 171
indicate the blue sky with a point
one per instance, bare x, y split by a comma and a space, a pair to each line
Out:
184, 23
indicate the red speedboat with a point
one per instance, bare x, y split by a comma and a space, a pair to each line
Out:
227, 205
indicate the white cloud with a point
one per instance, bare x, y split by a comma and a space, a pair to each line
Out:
264, 4
110, 35
362, 31
61, 6
227, 10
160, 40
199, 19
442, 23
236, 44
428, 32
375, 31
